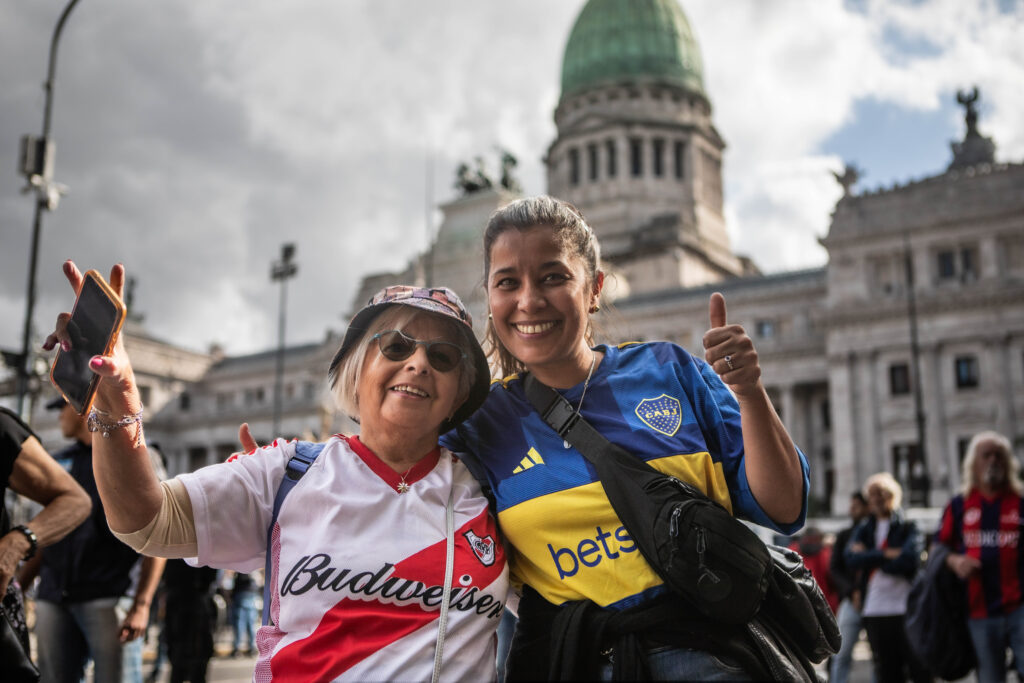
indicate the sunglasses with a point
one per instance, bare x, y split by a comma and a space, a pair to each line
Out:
443, 356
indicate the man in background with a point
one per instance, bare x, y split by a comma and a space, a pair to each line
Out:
94, 592
981, 527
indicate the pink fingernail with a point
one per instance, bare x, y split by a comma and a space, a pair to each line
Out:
66, 345
96, 362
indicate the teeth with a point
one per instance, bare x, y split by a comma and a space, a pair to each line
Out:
406, 389
534, 329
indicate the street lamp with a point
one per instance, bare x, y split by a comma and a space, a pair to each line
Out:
36, 164
281, 270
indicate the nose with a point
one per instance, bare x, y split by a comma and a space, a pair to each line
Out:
531, 298
418, 361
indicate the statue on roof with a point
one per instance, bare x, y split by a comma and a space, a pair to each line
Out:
508, 164
970, 112
975, 149
848, 178
468, 181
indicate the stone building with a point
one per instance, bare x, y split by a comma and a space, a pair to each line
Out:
865, 358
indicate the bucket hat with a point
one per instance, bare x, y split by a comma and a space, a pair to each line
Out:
437, 300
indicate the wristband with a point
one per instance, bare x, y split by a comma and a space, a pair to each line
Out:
32, 539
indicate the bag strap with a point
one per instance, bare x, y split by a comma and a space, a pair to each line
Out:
559, 414
449, 568
306, 454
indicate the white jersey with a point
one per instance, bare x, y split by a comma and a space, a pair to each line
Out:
357, 568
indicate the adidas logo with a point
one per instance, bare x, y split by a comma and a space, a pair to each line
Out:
531, 458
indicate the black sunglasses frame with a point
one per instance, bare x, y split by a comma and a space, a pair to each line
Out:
413, 343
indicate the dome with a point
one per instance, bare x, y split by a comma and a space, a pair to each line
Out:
631, 40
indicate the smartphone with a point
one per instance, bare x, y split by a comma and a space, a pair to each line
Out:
95, 323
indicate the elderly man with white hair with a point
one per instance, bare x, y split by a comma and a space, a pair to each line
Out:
981, 527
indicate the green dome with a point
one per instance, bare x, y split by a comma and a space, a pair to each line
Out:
631, 40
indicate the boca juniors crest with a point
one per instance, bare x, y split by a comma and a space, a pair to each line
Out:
662, 414
483, 548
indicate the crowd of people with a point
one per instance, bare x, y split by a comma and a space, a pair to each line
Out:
396, 552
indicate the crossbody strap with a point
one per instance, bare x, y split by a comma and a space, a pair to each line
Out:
559, 414
306, 454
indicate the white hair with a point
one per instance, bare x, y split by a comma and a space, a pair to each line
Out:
968, 480
887, 483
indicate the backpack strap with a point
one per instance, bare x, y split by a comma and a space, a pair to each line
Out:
306, 454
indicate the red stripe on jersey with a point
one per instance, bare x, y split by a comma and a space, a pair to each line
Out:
1009, 525
354, 629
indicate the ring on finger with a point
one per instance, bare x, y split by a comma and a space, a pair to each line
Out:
728, 361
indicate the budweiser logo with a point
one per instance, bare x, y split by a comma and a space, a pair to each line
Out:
314, 572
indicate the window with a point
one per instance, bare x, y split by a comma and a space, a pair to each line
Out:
826, 414
574, 166
961, 449
679, 159
968, 263
947, 264
592, 160
610, 151
196, 458
908, 468
636, 156
765, 328
659, 157
184, 402
899, 379
145, 393
966, 368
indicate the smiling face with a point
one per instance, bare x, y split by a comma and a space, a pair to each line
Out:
540, 296
408, 397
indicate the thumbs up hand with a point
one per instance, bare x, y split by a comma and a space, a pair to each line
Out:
730, 351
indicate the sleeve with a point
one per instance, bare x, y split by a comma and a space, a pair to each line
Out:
13, 433
719, 415
909, 559
948, 535
232, 505
870, 558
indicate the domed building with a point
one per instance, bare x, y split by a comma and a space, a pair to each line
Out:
637, 150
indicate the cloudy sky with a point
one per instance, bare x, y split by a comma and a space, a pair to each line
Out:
197, 137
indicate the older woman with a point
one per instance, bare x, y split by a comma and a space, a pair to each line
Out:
887, 548
670, 409
384, 561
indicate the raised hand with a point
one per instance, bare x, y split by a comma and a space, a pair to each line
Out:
245, 438
116, 392
730, 351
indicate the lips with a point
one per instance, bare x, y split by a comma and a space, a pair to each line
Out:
533, 328
410, 390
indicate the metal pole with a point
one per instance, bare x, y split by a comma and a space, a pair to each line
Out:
915, 355
281, 270
24, 371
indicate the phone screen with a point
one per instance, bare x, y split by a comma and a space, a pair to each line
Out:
95, 319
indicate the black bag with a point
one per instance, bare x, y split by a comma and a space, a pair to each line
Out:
703, 553
936, 619
14, 646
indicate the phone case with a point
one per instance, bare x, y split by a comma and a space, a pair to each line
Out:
121, 313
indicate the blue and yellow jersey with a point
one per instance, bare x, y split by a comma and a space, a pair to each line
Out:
653, 399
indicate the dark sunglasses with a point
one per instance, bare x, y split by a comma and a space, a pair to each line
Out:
443, 356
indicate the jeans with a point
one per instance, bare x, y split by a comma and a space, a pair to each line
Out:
68, 635
682, 664
991, 637
848, 619
243, 619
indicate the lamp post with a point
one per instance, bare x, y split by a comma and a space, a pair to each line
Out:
37, 165
281, 271
915, 358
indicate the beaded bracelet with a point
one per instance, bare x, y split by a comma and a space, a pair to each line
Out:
96, 424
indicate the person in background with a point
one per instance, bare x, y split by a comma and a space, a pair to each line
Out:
846, 582
28, 470
243, 614
981, 527
886, 549
94, 592
189, 621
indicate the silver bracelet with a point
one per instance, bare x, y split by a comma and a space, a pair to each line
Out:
96, 424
